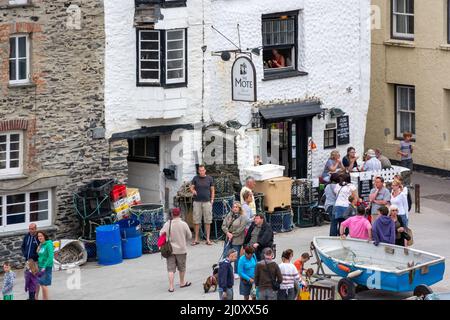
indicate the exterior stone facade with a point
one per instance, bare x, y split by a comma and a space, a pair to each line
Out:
58, 110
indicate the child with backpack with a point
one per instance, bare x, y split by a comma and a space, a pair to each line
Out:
32, 275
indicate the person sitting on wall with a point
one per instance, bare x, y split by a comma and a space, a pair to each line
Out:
385, 162
277, 61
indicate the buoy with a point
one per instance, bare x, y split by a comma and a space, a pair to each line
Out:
344, 268
354, 274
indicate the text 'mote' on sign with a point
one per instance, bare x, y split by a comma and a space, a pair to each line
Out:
343, 130
243, 80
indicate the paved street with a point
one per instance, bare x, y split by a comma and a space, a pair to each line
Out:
146, 278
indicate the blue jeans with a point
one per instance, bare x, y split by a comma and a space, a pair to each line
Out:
408, 163
267, 294
333, 223
227, 247
405, 220
229, 294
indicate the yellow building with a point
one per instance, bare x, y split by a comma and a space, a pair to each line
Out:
410, 84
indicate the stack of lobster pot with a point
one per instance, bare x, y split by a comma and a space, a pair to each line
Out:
151, 218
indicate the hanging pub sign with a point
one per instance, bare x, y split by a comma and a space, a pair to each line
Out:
243, 80
343, 130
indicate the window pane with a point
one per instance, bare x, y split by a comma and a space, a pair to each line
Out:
39, 206
12, 47
412, 100
15, 198
14, 164
413, 123
404, 122
152, 147
175, 45
17, 208
14, 146
177, 54
22, 47
410, 24
150, 75
38, 216
175, 64
2, 156
12, 70
400, 24
23, 69
152, 35
2, 138
150, 55
14, 155
400, 6
175, 74
410, 6
14, 138
2, 163
150, 45
15, 219
36, 196
2, 147
153, 65
139, 147
402, 98
172, 35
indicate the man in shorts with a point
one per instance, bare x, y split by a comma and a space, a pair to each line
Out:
202, 187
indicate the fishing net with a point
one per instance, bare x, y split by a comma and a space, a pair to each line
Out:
150, 242
281, 221
221, 207
150, 216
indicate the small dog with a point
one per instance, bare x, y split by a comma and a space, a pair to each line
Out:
212, 281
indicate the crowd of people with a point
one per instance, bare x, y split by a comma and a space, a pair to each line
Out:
37, 250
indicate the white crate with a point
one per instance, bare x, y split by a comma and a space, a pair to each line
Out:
264, 172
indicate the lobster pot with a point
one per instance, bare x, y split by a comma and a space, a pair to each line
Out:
221, 207
302, 191
259, 202
281, 221
88, 226
150, 242
223, 186
186, 206
150, 216
303, 216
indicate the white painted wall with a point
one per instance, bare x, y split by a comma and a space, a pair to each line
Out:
334, 48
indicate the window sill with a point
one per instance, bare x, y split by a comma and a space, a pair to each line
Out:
283, 75
399, 43
445, 47
19, 233
22, 85
12, 6
13, 177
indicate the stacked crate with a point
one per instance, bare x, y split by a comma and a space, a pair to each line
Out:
120, 201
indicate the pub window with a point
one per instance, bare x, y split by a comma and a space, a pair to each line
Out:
405, 107
329, 139
144, 150
280, 42
11, 150
403, 19
161, 57
19, 59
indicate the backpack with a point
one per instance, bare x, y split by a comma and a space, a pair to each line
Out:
166, 248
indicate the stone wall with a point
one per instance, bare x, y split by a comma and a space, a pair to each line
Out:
63, 104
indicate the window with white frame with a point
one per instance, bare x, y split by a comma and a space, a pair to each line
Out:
18, 210
18, 2
405, 110
19, 59
162, 57
329, 139
403, 19
11, 149
279, 33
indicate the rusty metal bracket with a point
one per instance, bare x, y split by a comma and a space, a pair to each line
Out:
424, 270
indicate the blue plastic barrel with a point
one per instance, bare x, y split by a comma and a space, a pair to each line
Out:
129, 228
132, 247
109, 246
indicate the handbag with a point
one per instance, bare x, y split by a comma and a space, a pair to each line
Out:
410, 234
275, 284
166, 248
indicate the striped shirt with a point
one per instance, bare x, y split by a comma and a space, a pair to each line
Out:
290, 275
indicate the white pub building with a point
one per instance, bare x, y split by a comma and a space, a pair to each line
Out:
305, 73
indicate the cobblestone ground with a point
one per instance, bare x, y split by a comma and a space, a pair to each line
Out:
146, 278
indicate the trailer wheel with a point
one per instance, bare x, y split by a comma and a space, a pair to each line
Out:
422, 291
346, 289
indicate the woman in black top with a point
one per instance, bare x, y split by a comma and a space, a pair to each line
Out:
349, 161
399, 226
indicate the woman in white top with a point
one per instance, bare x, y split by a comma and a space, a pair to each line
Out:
289, 286
343, 190
399, 199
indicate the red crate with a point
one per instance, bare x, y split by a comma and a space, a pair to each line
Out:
119, 191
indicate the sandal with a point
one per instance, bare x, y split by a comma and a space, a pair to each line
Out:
194, 243
209, 243
186, 284
171, 290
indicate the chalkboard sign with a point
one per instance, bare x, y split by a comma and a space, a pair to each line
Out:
364, 189
343, 130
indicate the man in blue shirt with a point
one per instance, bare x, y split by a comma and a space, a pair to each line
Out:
226, 276
30, 244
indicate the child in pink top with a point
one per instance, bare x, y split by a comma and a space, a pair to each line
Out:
359, 227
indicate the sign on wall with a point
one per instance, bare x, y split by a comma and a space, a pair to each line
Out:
243, 80
343, 130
